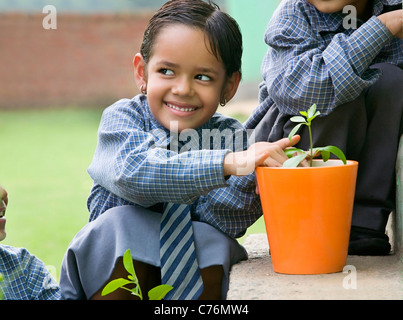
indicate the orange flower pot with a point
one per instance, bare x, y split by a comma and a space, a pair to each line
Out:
307, 212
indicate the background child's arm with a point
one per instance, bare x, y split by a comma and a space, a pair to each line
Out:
308, 63
393, 21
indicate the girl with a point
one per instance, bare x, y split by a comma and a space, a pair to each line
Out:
190, 62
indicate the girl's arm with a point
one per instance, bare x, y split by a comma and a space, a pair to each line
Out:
137, 165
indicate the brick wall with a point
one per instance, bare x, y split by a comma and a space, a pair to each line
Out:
86, 61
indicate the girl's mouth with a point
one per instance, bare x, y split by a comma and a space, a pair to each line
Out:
181, 108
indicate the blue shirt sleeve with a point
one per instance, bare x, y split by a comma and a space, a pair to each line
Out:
136, 163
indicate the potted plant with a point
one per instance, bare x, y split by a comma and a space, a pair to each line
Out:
307, 210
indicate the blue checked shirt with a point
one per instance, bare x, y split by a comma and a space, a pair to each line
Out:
312, 58
136, 162
25, 277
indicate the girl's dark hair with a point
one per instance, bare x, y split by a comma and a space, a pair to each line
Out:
221, 29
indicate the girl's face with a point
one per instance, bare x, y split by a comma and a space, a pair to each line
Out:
185, 82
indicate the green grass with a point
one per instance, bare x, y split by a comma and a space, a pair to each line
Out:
43, 161
44, 156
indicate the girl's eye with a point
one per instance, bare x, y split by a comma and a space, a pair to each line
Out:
167, 72
203, 77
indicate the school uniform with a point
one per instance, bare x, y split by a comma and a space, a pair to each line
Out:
138, 166
355, 78
25, 277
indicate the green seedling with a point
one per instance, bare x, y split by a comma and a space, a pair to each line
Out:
297, 155
157, 293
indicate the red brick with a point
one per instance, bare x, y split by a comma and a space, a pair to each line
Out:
86, 61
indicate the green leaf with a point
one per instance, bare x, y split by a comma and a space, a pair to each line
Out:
336, 151
304, 113
128, 263
312, 111
291, 152
114, 285
298, 119
294, 131
325, 155
294, 161
158, 293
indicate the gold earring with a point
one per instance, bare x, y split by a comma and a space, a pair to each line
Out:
223, 104
143, 91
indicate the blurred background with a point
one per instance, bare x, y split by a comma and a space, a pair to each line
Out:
54, 85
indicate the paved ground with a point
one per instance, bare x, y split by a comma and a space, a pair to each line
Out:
366, 278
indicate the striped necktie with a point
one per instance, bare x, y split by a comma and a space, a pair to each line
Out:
179, 267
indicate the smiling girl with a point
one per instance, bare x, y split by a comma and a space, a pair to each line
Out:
190, 62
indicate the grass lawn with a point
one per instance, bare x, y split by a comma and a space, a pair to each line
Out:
43, 161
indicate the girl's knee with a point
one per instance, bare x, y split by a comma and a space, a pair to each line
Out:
212, 283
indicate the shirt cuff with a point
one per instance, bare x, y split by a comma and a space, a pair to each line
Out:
210, 170
366, 43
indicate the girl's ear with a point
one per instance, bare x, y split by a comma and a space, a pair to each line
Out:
231, 86
140, 70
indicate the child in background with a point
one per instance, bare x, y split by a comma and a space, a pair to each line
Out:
24, 277
190, 62
354, 74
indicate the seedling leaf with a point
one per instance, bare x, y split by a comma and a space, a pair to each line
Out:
294, 161
292, 152
114, 285
304, 113
159, 292
311, 111
298, 119
294, 131
325, 155
128, 263
336, 151
306, 119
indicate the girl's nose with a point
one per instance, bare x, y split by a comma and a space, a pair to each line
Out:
183, 87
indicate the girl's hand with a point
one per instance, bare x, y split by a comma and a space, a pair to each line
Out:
393, 20
259, 154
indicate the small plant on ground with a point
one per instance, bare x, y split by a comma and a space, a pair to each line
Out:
306, 120
157, 293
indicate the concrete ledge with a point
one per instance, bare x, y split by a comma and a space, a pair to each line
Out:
377, 278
